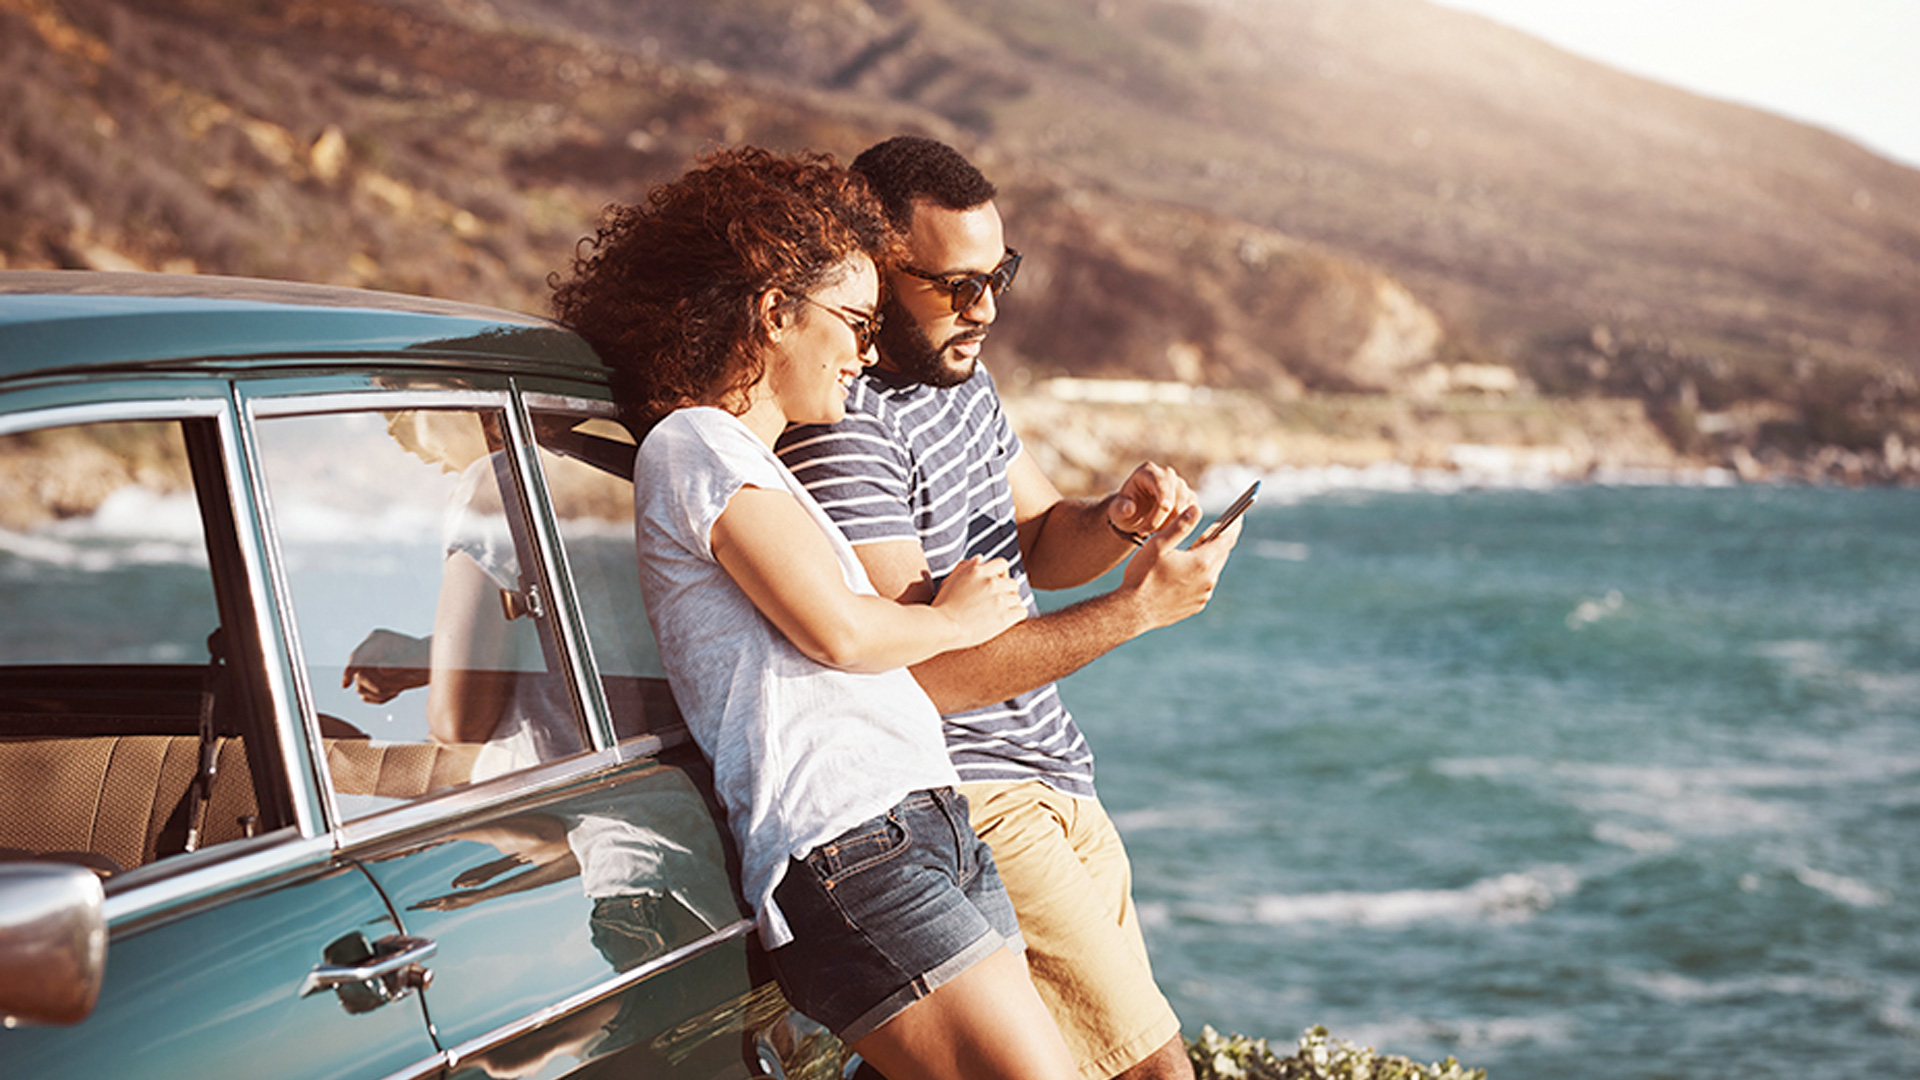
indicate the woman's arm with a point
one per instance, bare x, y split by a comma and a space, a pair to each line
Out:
778, 555
467, 689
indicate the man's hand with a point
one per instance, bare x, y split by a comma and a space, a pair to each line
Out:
1151, 495
385, 664
1170, 584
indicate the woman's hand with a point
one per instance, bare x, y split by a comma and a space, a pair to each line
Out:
982, 600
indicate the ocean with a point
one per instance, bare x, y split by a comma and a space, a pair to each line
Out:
1577, 783
1569, 782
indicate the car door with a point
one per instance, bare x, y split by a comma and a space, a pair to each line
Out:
515, 780
142, 703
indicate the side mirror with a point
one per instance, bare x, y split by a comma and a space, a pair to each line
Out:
53, 942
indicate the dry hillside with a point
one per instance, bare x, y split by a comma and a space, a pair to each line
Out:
1384, 228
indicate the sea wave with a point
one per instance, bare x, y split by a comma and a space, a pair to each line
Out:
27, 554
1844, 889
134, 526
1474, 468
1673, 987
1506, 898
1465, 1035
135, 512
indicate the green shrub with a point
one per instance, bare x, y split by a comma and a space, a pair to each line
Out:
1320, 1057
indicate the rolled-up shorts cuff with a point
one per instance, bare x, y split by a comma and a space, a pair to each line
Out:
889, 911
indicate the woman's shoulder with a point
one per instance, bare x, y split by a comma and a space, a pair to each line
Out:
696, 432
704, 441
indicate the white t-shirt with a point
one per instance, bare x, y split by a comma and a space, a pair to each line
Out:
801, 752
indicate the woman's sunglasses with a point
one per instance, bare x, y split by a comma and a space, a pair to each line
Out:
965, 290
865, 327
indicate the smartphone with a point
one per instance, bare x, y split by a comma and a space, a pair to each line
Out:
1233, 514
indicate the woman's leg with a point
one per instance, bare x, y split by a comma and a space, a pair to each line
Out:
986, 1022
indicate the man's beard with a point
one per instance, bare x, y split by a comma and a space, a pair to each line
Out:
908, 350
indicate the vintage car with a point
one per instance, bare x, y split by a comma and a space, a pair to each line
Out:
333, 740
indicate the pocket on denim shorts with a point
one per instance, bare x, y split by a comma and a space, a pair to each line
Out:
862, 847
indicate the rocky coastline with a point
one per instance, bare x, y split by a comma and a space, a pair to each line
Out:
1088, 433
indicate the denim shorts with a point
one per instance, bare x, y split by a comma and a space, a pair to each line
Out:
887, 911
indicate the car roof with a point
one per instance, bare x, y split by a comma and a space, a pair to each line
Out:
80, 322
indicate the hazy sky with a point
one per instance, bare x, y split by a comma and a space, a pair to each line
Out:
1850, 66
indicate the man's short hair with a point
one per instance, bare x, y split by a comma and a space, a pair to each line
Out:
909, 167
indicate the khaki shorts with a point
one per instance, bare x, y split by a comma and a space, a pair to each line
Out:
1065, 868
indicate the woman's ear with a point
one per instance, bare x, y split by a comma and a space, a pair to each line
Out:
774, 313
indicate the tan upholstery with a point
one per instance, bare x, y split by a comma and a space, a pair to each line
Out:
398, 770
113, 795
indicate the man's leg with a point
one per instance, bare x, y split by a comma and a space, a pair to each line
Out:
1066, 872
1170, 1062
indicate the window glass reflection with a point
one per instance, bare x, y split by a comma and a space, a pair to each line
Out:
588, 464
427, 642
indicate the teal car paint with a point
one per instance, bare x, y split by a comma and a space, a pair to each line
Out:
224, 676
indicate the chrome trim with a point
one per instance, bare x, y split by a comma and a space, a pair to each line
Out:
418, 814
569, 1005
171, 407
551, 402
183, 881
245, 485
262, 402
652, 744
305, 717
55, 943
433, 1066
409, 952
569, 626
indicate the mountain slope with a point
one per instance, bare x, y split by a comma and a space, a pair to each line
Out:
1602, 232
1299, 198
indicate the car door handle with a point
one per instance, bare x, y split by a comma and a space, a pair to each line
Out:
392, 965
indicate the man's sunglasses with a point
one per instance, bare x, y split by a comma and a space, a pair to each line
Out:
865, 327
965, 290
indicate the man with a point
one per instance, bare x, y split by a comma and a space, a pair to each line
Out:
924, 472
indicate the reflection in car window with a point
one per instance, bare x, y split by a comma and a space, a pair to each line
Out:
427, 643
588, 463
120, 742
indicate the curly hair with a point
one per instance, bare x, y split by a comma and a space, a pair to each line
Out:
909, 167
666, 291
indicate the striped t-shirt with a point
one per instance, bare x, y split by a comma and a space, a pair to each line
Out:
912, 462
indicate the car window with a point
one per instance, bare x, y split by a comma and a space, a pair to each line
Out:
587, 460
425, 633
121, 742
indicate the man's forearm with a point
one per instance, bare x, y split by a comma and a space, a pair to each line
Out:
1032, 653
1072, 544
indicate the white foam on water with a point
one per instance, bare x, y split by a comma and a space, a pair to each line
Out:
1683, 989
1639, 841
134, 526
1506, 898
1281, 550
1591, 611
135, 511
1153, 914
1463, 1035
1845, 889
1193, 817
1477, 468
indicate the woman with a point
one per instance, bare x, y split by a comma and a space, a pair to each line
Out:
737, 300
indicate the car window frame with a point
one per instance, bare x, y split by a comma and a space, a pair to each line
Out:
233, 401
318, 391
180, 881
